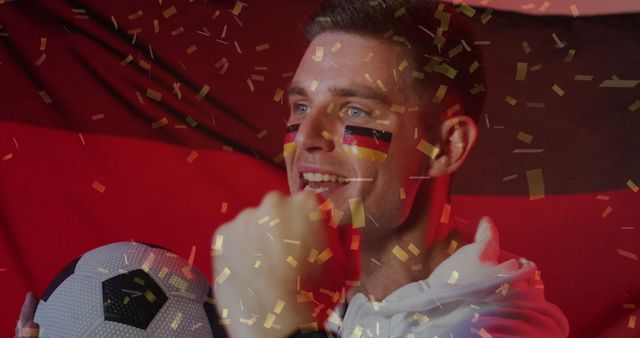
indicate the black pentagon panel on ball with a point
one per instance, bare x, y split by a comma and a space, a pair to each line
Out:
132, 298
60, 277
212, 315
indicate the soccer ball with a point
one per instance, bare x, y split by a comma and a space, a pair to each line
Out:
128, 289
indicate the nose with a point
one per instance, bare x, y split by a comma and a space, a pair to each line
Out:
315, 133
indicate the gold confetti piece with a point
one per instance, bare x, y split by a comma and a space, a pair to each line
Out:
414, 249
313, 255
455, 50
126, 60
510, 100
442, 90
169, 12
223, 276
524, 137
632, 322
403, 65
262, 134
156, 26
355, 242
7, 157
314, 85
535, 67
632, 186
43, 43
467, 10
634, 106
138, 281
192, 156
291, 241
417, 75
536, 184
397, 108
403, 195
602, 198
292, 261
250, 84
256, 77
400, 12
558, 90
627, 254
154, 95
144, 64
357, 212
454, 277
150, 296
319, 54
41, 59
97, 117
368, 77
326, 135
400, 253
274, 222
309, 327
324, 256
216, 250
570, 55
257, 263
528, 6
535, 104
237, 8
192, 49
453, 245
135, 15
316, 215
446, 213
619, 83
262, 47
484, 334
417, 267
99, 187
521, 71
473, 67
160, 123
203, 92
428, 149
177, 31
278, 96
574, 10
45, 97
336, 46
279, 306
263, 220
224, 207
581, 77
178, 282
526, 47
606, 212
381, 86
508, 178
268, 322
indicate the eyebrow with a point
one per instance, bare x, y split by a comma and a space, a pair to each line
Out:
352, 90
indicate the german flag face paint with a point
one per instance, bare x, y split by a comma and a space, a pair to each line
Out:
366, 143
290, 139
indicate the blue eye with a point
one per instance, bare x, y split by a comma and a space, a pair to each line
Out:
356, 112
301, 108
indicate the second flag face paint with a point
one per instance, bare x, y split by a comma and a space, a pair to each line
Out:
366, 143
290, 139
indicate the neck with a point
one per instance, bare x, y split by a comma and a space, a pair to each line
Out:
422, 237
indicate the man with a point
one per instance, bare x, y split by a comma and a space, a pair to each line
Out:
381, 116
380, 119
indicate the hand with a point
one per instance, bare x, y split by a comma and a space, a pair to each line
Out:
26, 326
265, 284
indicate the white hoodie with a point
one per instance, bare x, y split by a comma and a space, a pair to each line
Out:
480, 291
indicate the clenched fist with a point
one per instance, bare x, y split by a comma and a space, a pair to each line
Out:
282, 266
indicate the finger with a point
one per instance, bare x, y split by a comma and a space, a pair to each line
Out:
28, 308
30, 329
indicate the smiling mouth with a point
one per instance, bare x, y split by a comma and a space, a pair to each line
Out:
319, 182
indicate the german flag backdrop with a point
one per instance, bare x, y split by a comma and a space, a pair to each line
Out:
157, 120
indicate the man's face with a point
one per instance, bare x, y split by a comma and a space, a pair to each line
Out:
349, 95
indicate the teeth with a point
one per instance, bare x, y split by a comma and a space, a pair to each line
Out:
317, 191
318, 177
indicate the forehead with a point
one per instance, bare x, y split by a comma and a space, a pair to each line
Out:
339, 59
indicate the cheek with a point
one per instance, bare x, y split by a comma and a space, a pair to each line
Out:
366, 143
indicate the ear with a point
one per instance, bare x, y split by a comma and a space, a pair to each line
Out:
456, 136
